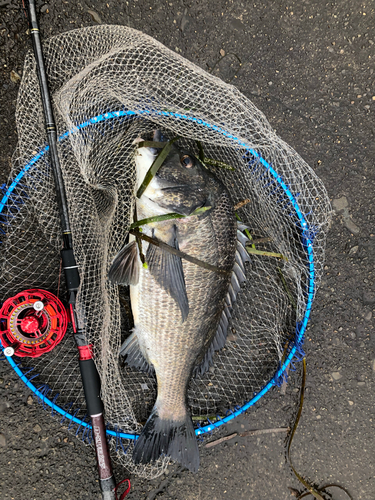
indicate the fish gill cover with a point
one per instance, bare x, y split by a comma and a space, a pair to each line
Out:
111, 85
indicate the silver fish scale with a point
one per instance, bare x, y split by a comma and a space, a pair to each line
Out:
174, 347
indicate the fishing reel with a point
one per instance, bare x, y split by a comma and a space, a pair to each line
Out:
31, 323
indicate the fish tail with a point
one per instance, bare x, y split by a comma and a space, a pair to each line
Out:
172, 438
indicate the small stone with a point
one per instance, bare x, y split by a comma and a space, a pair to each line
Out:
15, 77
368, 316
339, 204
351, 403
4, 406
44, 8
222, 52
37, 428
368, 298
30, 400
95, 16
232, 337
3, 441
361, 384
373, 364
353, 250
65, 440
270, 84
318, 417
352, 335
1, 380
353, 228
336, 375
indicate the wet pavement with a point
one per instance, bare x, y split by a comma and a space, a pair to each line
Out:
309, 66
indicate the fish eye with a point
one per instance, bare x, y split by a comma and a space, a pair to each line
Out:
187, 161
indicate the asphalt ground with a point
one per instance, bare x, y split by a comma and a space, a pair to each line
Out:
309, 66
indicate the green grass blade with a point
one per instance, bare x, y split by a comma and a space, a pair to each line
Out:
201, 153
159, 160
151, 144
246, 231
156, 218
266, 254
171, 216
217, 163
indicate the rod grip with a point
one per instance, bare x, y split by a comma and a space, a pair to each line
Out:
91, 386
106, 478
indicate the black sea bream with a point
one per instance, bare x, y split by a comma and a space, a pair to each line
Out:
180, 310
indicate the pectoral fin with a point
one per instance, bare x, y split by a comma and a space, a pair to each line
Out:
167, 270
131, 351
125, 266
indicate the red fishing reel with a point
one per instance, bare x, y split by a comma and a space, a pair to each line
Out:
32, 323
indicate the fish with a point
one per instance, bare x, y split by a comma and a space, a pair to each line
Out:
181, 310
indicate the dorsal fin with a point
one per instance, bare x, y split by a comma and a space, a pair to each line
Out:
237, 278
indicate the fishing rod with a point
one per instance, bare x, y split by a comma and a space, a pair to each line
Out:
89, 373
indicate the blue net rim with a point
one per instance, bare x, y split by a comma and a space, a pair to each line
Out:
295, 349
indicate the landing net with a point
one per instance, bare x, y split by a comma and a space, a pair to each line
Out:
110, 85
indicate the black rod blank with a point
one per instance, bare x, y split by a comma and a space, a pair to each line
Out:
50, 121
90, 376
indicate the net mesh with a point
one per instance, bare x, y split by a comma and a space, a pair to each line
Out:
110, 85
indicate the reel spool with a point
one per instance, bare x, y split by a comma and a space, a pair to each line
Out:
31, 323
